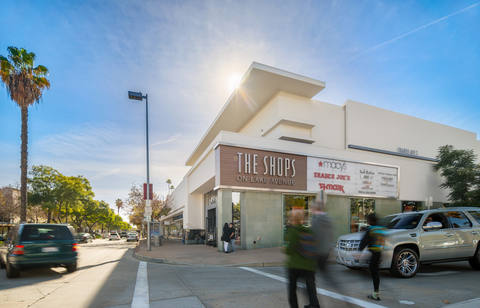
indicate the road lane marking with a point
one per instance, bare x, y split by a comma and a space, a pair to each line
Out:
141, 298
405, 302
320, 291
438, 273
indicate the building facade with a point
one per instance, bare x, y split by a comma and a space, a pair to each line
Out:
273, 147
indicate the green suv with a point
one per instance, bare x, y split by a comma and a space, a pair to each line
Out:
38, 245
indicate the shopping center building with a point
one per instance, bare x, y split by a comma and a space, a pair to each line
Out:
273, 147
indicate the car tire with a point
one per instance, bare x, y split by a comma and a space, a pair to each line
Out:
475, 260
12, 272
72, 267
405, 263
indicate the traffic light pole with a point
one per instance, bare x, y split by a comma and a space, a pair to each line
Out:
148, 205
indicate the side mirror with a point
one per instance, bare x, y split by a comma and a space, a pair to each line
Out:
434, 225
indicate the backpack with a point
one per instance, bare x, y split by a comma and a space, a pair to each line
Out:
307, 247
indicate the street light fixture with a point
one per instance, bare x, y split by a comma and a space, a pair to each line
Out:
148, 208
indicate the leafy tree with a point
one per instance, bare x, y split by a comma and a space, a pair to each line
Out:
43, 184
25, 84
136, 206
461, 174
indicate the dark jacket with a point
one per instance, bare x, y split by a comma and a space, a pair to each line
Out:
230, 234
225, 234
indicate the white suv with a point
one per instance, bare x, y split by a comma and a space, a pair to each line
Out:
415, 238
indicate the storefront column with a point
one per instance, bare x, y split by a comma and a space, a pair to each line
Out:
224, 213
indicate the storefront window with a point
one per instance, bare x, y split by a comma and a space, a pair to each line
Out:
296, 201
236, 214
359, 209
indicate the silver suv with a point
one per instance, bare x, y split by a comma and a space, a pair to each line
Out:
414, 238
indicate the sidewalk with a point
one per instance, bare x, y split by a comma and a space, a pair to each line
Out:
174, 252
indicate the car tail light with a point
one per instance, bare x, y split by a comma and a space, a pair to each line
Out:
18, 250
74, 247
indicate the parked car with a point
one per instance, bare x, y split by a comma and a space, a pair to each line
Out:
84, 238
123, 234
38, 245
114, 236
415, 238
132, 236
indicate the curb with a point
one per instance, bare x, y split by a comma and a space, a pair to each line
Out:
169, 262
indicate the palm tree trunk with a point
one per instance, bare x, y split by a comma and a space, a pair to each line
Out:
23, 165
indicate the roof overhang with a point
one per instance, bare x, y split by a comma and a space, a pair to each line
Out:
257, 87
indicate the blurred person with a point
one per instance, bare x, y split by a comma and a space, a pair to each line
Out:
322, 229
373, 239
231, 237
225, 238
299, 265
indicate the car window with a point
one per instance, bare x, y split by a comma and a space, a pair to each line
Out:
458, 220
476, 215
45, 233
438, 217
402, 221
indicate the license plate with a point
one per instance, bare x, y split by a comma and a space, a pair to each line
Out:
50, 249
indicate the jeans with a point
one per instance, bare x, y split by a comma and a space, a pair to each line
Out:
374, 264
232, 245
309, 276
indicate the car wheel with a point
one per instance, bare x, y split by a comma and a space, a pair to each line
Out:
12, 272
405, 263
475, 260
72, 267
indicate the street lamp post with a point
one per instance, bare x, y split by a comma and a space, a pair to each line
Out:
148, 208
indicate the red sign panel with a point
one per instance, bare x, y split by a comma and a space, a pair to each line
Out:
145, 191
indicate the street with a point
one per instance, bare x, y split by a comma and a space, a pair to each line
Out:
107, 277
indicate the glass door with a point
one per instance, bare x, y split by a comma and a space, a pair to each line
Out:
360, 208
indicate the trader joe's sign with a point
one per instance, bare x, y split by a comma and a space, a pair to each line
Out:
245, 167
352, 179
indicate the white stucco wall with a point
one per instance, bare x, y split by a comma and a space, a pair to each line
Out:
332, 128
387, 130
328, 120
202, 172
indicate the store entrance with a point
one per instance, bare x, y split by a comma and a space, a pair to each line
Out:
211, 218
359, 210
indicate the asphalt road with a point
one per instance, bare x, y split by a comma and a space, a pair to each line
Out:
108, 276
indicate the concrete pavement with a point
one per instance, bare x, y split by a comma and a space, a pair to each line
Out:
174, 252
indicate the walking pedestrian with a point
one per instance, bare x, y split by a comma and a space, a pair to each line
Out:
322, 228
225, 238
373, 239
298, 265
231, 236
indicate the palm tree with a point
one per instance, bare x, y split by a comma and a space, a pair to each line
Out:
169, 183
25, 85
119, 204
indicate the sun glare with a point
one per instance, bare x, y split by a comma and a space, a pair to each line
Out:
234, 81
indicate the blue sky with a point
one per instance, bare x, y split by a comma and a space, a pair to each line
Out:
421, 58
